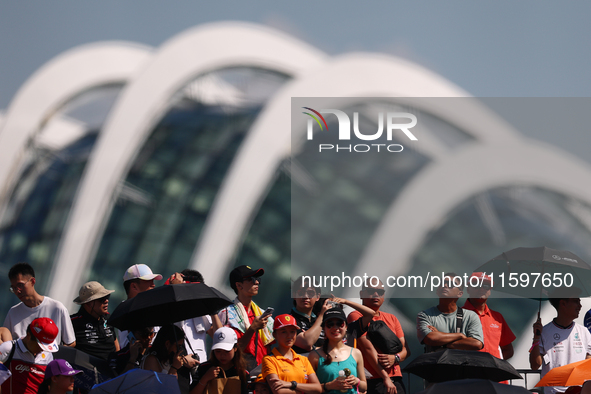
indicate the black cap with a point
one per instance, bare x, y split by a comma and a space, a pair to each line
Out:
334, 313
242, 272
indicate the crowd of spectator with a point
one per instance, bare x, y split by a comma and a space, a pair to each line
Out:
257, 350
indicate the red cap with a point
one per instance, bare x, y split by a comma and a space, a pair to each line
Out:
45, 332
285, 321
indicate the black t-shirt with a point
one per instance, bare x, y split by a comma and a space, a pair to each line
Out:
305, 322
93, 336
204, 367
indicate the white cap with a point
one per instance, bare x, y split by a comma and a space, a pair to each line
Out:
140, 271
224, 338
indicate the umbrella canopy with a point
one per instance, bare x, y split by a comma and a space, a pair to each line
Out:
95, 370
480, 386
4, 373
139, 381
574, 374
516, 272
168, 304
452, 364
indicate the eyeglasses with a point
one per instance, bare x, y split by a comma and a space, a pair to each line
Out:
331, 324
20, 286
371, 291
305, 294
253, 279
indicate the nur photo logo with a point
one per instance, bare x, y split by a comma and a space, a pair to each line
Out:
400, 122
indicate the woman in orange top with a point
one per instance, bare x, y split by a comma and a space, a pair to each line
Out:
285, 370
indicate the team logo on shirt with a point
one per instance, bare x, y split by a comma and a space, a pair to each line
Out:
557, 336
577, 336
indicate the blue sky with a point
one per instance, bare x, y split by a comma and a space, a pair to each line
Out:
504, 48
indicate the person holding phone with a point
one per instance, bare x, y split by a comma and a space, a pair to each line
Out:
254, 331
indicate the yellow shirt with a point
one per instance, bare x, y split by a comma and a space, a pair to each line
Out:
288, 370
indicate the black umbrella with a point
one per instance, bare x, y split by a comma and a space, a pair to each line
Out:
539, 273
480, 386
168, 304
452, 364
95, 370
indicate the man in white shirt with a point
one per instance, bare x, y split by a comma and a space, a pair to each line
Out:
562, 341
33, 305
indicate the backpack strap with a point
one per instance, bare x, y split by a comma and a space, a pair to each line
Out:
459, 319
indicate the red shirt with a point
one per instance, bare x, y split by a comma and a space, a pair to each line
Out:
394, 325
495, 330
252, 345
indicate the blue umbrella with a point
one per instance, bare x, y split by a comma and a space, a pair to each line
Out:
139, 381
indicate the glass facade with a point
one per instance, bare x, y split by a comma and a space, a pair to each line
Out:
38, 208
164, 201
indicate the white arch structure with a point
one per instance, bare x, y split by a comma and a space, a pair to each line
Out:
457, 178
142, 103
62, 78
270, 140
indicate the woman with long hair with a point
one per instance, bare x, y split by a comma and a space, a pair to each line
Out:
165, 354
225, 368
59, 378
285, 370
339, 367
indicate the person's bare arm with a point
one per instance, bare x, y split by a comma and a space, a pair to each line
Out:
215, 324
507, 351
367, 313
73, 344
437, 338
279, 386
5, 335
535, 358
307, 339
371, 354
388, 360
466, 344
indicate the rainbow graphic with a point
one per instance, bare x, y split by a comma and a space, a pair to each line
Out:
315, 118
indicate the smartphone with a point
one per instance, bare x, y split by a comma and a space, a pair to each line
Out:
130, 337
268, 312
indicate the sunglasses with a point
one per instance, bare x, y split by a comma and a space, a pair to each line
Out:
305, 294
331, 324
253, 279
103, 299
380, 292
